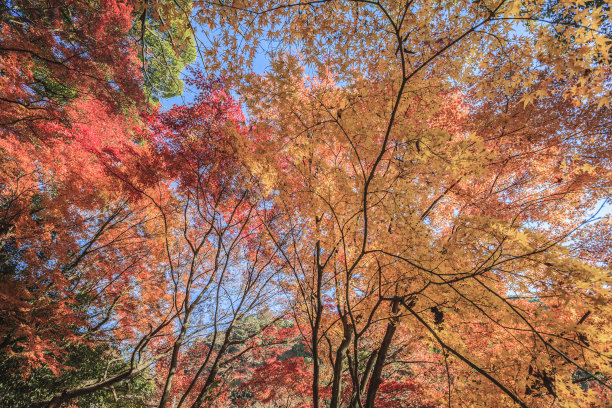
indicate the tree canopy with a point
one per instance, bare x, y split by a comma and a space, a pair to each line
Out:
360, 203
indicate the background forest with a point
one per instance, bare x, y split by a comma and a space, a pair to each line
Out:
324, 203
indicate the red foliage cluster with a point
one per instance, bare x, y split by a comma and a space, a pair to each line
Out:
70, 95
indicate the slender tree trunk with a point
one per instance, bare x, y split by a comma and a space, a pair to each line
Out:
173, 362
337, 379
316, 327
212, 375
360, 385
382, 355
214, 369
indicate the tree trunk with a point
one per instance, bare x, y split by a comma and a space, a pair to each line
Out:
337, 379
382, 355
317, 324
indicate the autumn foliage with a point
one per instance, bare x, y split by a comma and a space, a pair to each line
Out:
356, 203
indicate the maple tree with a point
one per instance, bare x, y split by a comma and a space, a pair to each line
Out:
412, 213
435, 162
71, 90
221, 263
71, 98
197, 261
